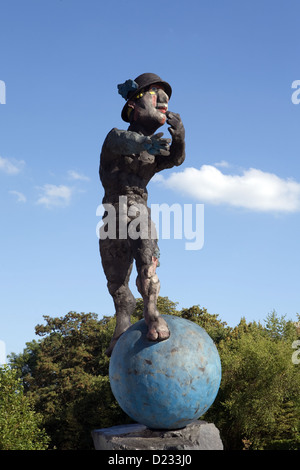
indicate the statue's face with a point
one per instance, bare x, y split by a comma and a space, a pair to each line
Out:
150, 106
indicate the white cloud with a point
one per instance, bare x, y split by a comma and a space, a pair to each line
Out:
254, 189
54, 196
10, 166
77, 176
20, 196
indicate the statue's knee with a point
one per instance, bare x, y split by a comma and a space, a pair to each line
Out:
112, 287
117, 290
147, 271
147, 280
122, 295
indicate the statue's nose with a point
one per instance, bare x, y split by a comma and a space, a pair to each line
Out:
162, 96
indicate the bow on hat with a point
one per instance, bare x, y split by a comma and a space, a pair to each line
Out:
127, 87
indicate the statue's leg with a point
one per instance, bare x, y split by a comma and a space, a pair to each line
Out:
148, 286
117, 265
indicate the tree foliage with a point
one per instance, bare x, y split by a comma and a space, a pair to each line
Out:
258, 405
65, 375
20, 426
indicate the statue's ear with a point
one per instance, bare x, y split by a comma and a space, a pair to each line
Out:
130, 108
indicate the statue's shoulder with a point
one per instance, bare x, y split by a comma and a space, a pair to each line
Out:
111, 146
110, 137
114, 131
114, 134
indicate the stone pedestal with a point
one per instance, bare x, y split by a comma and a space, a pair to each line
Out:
199, 435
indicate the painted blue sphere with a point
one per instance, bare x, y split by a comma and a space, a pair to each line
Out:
167, 384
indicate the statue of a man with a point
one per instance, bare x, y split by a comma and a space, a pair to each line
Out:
129, 159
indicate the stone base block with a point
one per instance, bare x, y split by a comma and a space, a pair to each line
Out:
199, 435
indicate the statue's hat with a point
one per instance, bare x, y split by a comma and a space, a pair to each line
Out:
131, 88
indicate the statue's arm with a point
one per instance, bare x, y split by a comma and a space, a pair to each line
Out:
176, 154
121, 142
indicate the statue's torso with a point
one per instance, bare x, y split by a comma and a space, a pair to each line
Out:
126, 174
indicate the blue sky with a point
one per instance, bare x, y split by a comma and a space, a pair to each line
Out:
231, 65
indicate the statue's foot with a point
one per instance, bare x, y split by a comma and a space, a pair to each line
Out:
120, 329
111, 346
158, 329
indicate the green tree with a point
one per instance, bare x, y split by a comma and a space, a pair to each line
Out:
20, 426
216, 329
259, 397
66, 375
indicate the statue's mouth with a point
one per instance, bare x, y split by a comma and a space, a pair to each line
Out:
163, 108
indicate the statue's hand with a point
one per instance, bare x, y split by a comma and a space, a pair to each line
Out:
158, 146
176, 128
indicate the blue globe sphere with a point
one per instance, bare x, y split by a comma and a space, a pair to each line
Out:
167, 384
